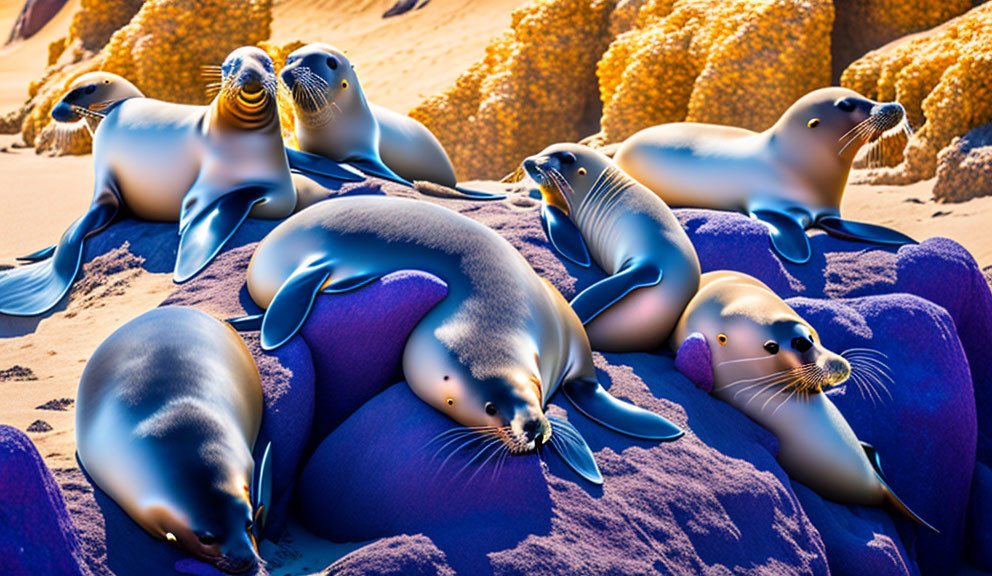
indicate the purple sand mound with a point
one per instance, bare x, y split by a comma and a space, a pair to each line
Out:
36, 531
715, 502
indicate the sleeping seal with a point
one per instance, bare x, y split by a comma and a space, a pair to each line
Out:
167, 412
209, 167
489, 355
791, 176
770, 364
589, 205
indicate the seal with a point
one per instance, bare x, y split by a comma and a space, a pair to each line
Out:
209, 167
335, 120
770, 364
167, 412
590, 206
791, 176
489, 355
90, 95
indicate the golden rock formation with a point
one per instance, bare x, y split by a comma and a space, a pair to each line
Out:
942, 77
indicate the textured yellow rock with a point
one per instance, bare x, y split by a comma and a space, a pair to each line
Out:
287, 118
97, 20
162, 50
738, 63
964, 169
536, 85
941, 77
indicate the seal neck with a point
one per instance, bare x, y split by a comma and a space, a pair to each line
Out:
244, 109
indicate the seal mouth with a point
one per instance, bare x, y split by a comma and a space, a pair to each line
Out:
555, 188
309, 93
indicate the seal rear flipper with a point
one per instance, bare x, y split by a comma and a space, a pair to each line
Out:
316, 167
595, 402
379, 170
205, 228
261, 491
876, 464
572, 448
457, 193
862, 231
249, 323
36, 288
592, 301
564, 235
788, 236
291, 305
43, 254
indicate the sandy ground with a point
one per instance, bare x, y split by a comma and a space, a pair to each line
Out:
400, 61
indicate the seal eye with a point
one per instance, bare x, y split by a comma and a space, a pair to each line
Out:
801, 344
450, 401
581, 171
721, 338
813, 123
771, 347
344, 83
332, 63
106, 81
491, 409
847, 105
207, 539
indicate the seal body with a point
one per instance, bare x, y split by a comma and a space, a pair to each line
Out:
335, 120
791, 176
489, 355
167, 412
631, 234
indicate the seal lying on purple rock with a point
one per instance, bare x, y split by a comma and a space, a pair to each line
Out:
754, 352
791, 176
489, 355
167, 412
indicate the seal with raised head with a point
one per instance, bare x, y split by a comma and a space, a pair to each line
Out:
167, 413
489, 355
209, 167
591, 206
335, 120
791, 176
91, 95
749, 348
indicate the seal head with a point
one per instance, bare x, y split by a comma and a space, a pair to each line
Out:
91, 95
247, 97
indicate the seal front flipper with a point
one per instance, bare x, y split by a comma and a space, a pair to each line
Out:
249, 323
43, 254
862, 231
564, 235
379, 170
35, 288
890, 496
572, 448
261, 491
592, 301
204, 227
788, 236
317, 167
595, 402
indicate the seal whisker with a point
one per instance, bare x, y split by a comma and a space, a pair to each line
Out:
497, 445
765, 357
469, 442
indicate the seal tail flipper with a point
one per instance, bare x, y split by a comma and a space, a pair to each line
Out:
250, 323
592, 301
862, 231
43, 254
379, 170
890, 495
564, 235
206, 228
572, 448
595, 402
261, 491
36, 288
457, 193
318, 168
788, 236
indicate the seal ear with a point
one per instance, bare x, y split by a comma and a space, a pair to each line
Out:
788, 235
318, 168
595, 299
876, 464
595, 402
695, 362
564, 235
862, 232
572, 448
261, 491
206, 227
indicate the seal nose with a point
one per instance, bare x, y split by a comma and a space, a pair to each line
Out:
532, 169
889, 114
836, 370
251, 80
62, 112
